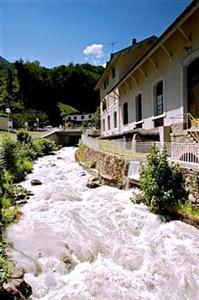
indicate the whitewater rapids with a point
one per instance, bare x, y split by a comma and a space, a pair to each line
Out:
77, 243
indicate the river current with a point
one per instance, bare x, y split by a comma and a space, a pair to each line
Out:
77, 243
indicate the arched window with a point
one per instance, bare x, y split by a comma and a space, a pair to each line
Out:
158, 99
125, 113
138, 106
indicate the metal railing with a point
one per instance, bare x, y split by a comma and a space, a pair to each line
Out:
181, 152
192, 125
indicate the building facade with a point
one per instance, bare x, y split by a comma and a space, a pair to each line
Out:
154, 84
77, 119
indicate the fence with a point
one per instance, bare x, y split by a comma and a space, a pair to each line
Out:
181, 152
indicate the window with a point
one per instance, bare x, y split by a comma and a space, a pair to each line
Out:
69, 118
115, 119
75, 118
107, 81
125, 113
109, 123
82, 117
103, 125
159, 101
104, 104
138, 106
113, 73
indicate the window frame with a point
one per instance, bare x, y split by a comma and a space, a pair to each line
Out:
137, 113
109, 122
161, 112
115, 119
125, 117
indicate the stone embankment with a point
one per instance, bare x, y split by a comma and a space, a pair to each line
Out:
110, 168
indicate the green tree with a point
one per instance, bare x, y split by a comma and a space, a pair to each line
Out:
66, 109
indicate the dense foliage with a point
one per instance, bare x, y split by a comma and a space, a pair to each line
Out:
34, 92
160, 182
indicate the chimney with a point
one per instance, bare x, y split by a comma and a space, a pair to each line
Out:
134, 42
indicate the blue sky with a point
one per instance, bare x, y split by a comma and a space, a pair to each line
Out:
60, 32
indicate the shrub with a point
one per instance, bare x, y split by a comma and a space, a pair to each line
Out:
161, 182
27, 150
6, 202
44, 147
27, 165
23, 136
5, 271
9, 154
9, 214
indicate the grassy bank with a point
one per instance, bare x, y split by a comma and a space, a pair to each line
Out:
16, 161
185, 212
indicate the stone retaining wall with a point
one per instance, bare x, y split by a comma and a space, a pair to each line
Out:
111, 168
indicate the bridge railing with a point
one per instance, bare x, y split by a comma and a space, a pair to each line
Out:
181, 152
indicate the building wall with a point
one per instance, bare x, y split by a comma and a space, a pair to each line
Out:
4, 123
83, 117
123, 64
171, 70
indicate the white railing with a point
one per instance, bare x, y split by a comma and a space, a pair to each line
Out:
138, 150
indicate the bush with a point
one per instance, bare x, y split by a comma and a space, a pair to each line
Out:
27, 165
5, 271
23, 136
161, 183
9, 154
9, 214
44, 147
27, 151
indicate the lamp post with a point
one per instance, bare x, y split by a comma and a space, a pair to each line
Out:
8, 111
37, 119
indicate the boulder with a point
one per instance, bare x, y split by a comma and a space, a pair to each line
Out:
93, 183
36, 182
24, 288
22, 202
10, 294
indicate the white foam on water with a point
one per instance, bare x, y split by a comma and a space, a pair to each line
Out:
81, 244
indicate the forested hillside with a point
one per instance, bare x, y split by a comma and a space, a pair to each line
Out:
32, 91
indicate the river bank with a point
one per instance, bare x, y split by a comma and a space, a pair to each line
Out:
78, 243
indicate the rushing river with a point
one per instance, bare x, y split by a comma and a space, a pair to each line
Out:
77, 243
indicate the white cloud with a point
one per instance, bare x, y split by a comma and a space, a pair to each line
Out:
94, 50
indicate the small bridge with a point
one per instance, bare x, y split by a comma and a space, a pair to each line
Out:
67, 137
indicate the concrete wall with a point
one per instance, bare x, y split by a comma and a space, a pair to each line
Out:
4, 123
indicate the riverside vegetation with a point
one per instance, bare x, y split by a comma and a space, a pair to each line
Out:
163, 188
16, 160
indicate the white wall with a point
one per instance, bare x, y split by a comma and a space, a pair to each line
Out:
171, 71
78, 118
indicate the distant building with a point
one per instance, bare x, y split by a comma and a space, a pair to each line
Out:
5, 124
77, 119
154, 84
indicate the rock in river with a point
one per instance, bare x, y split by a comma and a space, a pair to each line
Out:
36, 182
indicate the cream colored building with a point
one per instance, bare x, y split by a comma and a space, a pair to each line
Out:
154, 84
5, 124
